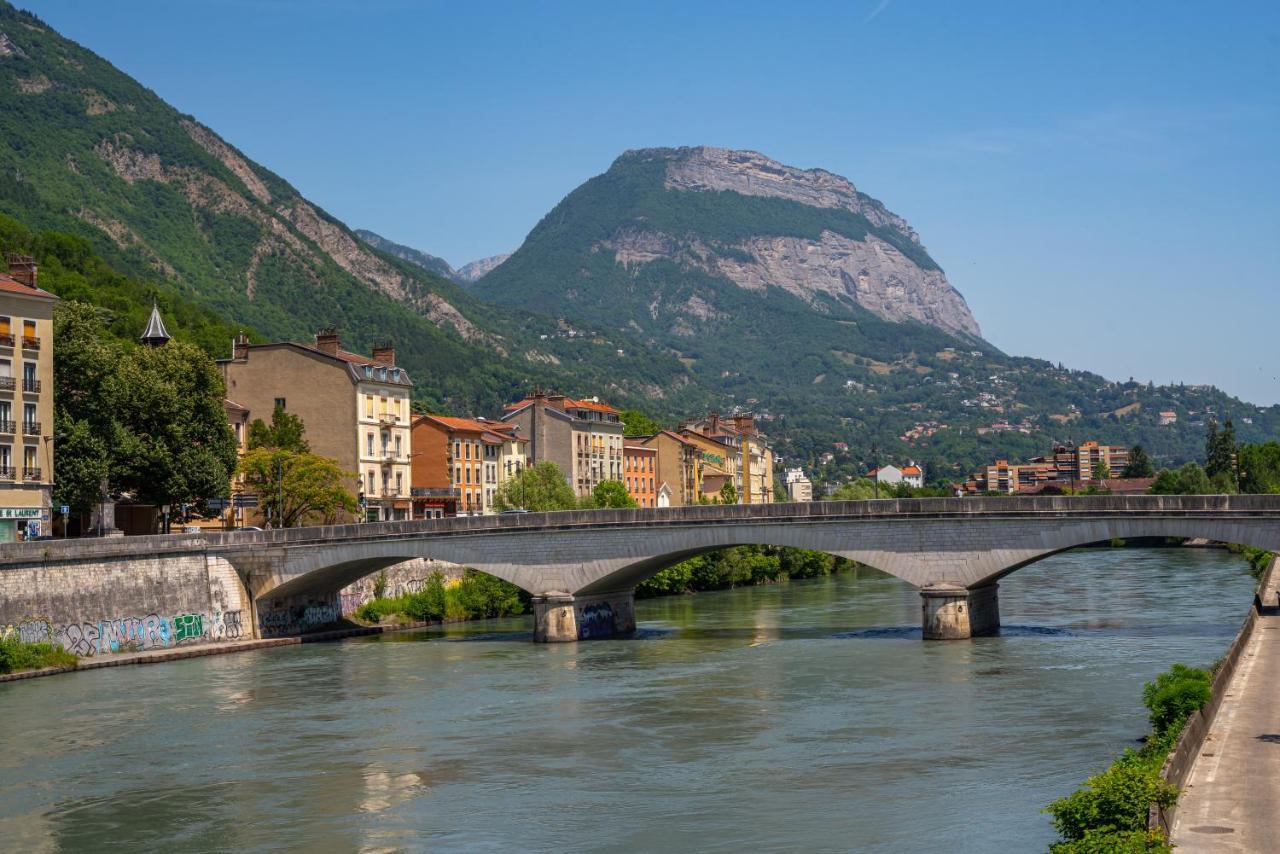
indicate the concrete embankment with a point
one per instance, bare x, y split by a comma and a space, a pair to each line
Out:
1227, 760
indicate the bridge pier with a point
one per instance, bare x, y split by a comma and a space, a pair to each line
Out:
954, 612
562, 617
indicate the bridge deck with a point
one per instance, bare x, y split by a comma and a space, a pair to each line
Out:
1231, 801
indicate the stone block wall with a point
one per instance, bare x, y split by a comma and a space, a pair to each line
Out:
111, 604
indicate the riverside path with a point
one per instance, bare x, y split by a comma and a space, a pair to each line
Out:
1231, 801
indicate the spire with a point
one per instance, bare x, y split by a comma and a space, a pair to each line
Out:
156, 335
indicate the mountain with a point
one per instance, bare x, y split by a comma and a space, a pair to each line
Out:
476, 269
792, 293
87, 151
430, 263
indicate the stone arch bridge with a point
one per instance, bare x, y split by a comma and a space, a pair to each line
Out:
582, 567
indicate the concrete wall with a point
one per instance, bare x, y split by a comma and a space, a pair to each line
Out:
109, 604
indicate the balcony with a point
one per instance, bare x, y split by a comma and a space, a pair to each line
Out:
8, 384
30, 472
433, 492
6, 339
6, 473
31, 428
30, 342
30, 385
386, 420
8, 427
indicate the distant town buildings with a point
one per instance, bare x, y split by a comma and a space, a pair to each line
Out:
26, 403
798, 486
1167, 418
749, 461
912, 475
1069, 466
582, 437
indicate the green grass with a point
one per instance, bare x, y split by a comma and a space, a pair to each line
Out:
16, 656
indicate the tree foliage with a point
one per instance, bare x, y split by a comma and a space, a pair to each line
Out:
538, 488
1139, 464
609, 493
294, 488
636, 423
1174, 695
1220, 449
286, 433
148, 419
1188, 480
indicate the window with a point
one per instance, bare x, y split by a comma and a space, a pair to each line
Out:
29, 413
279, 403
6, 411
6, 326
368, 405
6, 458
382, 374
368, 372
29, 459
399, 483
457, 475
369, 489
466, 447
28, 374
28, 329
468, 474
369, 437
397, 445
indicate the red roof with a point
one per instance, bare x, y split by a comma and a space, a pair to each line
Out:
911, 470
469, 425
10, 285
568, 402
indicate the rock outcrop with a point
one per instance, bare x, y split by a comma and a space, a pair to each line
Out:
476, 269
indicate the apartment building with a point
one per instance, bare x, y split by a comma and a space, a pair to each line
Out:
354, 408
677, 467
799, 487
751, 466
1069, 466
640, 473
584, 437
26, 403
467, 457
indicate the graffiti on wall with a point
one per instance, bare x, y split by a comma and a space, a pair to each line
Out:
296, 619
597, 621
129, 634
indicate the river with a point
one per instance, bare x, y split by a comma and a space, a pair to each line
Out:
806, 715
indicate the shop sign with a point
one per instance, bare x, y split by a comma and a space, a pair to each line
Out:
19, 512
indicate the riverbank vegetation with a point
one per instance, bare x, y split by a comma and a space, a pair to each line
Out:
15, 655
476, 596
742, 566
1109, 812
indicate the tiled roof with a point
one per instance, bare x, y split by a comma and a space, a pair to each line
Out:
231, 404
470, 425
911, 470
10, 285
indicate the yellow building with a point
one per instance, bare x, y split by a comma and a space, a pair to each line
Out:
26, 403
750, 464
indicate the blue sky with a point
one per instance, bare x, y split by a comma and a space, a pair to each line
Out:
1098, 179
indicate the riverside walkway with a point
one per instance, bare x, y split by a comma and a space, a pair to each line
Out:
1231, 801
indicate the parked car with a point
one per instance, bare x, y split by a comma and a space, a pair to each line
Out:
248, 528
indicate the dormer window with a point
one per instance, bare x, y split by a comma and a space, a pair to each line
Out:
368, 372
382, 374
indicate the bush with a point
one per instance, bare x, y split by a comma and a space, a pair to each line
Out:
476, 596
1115, 842
1174, 695
16, 655
1117, 800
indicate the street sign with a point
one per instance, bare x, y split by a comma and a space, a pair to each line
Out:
65, 510
246, 500
218, 503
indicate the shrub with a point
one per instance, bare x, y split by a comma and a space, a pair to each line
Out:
1174, 695
481, 596
429, 603
16, 655
1115, 842
1114, 801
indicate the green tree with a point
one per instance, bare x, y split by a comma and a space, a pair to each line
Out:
1188, 480
286, 432
1116, 800
148, 420
294, 488
1103, 470
610, 493
1173, 695
1260, 468
539, 488
1139, 464
728, 494
1220, 449
636, 423
854, 490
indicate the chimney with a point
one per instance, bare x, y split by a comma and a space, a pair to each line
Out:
385, 353
240, 347
23, 269
744, 423
327, 341
715, 422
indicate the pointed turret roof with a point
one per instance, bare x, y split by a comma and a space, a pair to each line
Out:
155, 335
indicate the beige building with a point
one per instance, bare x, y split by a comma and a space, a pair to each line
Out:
749, 465
355, 410
799, 487
26, 403
582, 437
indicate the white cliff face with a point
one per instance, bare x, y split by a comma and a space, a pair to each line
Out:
476, 269
869, 271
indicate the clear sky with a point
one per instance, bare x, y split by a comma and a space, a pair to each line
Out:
1101, 180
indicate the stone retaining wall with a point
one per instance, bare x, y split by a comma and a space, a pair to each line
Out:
1177, 767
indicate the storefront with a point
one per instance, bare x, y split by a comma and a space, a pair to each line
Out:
22, 523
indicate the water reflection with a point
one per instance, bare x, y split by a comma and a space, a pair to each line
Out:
804, 715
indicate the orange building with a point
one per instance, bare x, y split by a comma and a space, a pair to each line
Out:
639, 468
458, 459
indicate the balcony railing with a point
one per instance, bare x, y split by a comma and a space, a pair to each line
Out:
8, 427
7, 384
433, 492
30, 342
31, 428
30, 473
6, 339
6, 473
32, 385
